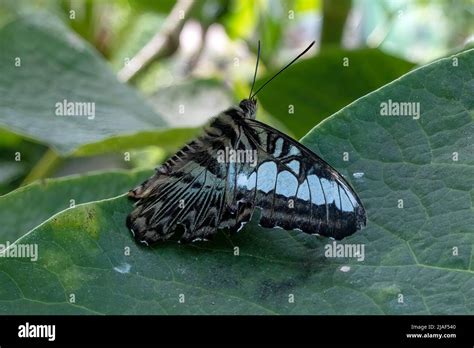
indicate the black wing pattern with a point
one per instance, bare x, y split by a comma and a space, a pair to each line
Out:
188, 190
291, 186
296, 189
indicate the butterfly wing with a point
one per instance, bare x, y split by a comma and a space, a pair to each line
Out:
294, 188
188, 190
291, 186
191, 189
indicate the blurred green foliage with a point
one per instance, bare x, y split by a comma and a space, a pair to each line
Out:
217, 42
309, 94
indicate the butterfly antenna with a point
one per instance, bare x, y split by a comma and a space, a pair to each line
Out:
256, 68
283, 69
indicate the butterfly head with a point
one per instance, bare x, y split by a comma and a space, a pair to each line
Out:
249, 107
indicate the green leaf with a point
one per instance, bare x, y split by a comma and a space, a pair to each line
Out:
42, 63
408, 251
27, 207
17, 158
168, 139
10, 171
192, 103
137, 31
241, 19
319, 86
164, 6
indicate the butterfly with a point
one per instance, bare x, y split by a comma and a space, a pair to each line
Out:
239, 167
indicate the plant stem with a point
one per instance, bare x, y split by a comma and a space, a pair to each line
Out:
44, 167
160, 44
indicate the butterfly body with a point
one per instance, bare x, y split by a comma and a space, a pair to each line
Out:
202, 189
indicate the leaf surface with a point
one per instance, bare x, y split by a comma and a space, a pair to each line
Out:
410, 264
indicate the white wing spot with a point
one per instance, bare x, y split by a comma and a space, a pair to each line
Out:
266, 177
294, 166
278, 147
287, 184
317, 196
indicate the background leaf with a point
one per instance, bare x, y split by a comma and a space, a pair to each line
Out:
17, 157
319, 86
200, 100
19, 211
70, 70
408, 251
